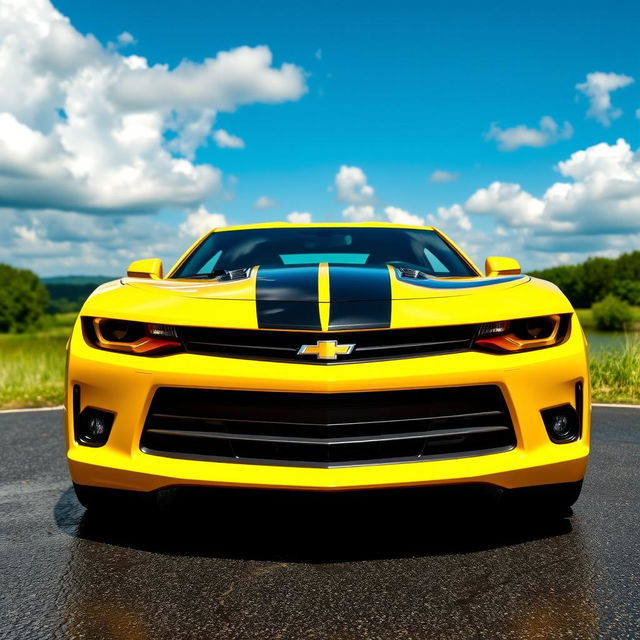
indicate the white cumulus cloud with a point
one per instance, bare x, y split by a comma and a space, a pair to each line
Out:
510, 203
241, 76
351, 186
226, 140
200, 221
598, 87
401, 216
513, 138
359, 213
450, 218
299, 217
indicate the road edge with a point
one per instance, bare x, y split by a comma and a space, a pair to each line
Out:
28, 409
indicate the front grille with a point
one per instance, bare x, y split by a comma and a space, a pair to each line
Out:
327, 430
283, 346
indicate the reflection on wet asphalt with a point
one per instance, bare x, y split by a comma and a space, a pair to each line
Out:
410, 564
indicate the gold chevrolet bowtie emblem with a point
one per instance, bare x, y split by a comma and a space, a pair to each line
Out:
326, 349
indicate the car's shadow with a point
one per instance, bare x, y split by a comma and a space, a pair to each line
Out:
313, 527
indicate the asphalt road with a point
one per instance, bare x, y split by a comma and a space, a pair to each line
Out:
410, 565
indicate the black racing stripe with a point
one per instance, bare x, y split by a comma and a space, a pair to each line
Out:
287, 298
288, 315
360, 298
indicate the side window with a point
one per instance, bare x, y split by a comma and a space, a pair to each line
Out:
436, 264
210, 264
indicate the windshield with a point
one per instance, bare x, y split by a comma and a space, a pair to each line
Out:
225, 251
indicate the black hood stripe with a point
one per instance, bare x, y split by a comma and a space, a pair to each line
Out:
360, 298
287, 298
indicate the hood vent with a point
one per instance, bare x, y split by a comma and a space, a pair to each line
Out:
414, 274
234, 274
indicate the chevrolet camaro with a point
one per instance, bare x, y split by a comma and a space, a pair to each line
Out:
327, 357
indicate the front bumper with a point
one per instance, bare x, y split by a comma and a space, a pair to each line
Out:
125, 385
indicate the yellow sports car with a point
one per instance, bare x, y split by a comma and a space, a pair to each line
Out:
327, 357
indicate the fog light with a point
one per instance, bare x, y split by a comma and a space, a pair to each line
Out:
94, 427
560, 427
561, 423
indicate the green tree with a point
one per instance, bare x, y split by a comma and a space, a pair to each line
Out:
627, 290
611, 314
628, 266
598, 274
592, 280
23, 299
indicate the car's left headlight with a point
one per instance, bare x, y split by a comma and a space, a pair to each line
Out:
125, 336
509, 336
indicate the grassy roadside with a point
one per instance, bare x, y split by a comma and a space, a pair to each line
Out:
615, 374
32, 367
32, 364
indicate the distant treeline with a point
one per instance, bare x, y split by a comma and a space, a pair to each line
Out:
25, 298
68, 293
592, 280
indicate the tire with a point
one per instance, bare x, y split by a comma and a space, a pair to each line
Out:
103, 500
549, 499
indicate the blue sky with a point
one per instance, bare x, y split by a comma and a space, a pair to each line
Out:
395, 90
402, 88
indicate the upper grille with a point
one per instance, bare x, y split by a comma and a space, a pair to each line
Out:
283, 346
327, 430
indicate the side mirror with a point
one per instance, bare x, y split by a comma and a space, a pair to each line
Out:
149, 268
498, 266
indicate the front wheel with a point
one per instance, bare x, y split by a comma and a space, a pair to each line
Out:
101, 499
551, 499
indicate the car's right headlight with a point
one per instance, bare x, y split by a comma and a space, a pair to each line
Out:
126, 336
523, 334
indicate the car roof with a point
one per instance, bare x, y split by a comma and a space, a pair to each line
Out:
291, 225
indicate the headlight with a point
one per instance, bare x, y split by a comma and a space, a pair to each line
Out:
522, 334
139, 338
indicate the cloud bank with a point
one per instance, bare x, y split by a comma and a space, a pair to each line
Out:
92, 139
85, 128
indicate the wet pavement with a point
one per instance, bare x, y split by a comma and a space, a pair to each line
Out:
235, 565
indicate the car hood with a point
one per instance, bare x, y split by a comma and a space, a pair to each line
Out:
304, 284
321, 297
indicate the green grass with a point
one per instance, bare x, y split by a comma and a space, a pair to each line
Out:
32, 367
615, 374
32, 364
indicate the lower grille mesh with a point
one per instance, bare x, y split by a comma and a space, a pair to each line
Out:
327, 430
